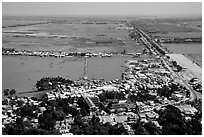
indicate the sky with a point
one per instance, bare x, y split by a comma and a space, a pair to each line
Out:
104, 8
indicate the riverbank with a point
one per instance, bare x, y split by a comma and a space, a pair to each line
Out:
197, 58
192, 69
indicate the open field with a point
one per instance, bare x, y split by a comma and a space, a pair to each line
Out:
172, 27
70, 36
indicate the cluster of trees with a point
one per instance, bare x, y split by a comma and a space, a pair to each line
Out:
174, 123
144, 96
197, 87
47, 83
148, 128
48, 119
8, 92
8, 49
56, 110
21, 127
167, 91
28, 24
141, 96
94, 127
111, 95
179, 68
77, 54
171, 119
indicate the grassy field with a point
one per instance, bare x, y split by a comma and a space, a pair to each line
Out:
69, 34
172, 27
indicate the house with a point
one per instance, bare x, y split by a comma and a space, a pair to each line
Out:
34, 123
95, 100
131, 107
120, 119
187, 109
132, 117
122, 101
105, 119
120, 107
156, 124
142, 116
151, 116
177, 97
50, 96
64, 129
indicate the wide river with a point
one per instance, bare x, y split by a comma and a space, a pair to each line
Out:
22, 73
185, 48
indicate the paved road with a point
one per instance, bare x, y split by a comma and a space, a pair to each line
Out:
145, 39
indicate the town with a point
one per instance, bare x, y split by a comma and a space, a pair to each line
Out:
150, 98
62, 54
101, 68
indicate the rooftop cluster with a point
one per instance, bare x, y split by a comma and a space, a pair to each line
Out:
147, 100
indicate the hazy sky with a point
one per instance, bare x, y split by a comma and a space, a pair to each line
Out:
88, 8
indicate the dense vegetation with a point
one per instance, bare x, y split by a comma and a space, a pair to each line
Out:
51, 83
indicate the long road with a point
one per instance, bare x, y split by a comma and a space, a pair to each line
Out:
161, 51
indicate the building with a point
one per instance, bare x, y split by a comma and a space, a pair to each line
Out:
95, 100
151, 116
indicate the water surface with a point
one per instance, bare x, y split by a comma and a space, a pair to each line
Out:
22, 73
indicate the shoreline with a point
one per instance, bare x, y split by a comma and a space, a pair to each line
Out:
195, 60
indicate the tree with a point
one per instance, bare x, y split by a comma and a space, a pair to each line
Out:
78, 120
26, 111
194, 126
20, 103
172, 129
152, 129
26, 124
165, 91
12, 102
132, 98
76, 130
12, 92
46, 120
59, 115
179, 68
34, 131
6, 92
13, 129
139, 129
172, 121
51, 83
5, 102
174, 63
121, 130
